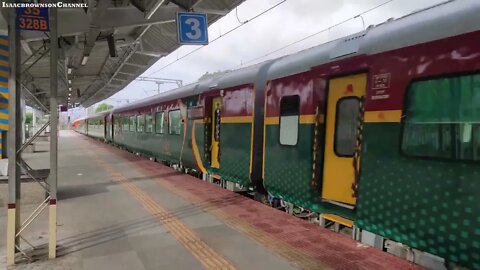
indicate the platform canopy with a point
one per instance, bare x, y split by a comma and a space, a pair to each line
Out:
105, 46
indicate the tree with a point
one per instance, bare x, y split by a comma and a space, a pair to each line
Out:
103, 107
209, 75
29, 118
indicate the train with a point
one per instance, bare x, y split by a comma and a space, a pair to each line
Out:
378, 131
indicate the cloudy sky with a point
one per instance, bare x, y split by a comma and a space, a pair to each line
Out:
289, 22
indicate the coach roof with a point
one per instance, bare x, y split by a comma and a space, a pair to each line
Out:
441, 21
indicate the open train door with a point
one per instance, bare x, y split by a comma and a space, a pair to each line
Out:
344, 108
215, 140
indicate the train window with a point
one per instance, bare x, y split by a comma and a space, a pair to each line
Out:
117, 128
442, 119
133, 123
289, 119
125, 123
346, 124
140, 123
159, 119
174, 122
149, 123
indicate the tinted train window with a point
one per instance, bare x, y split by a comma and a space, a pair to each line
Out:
132, 123
174, 122
289, 119
125, 123
149, 123
140, 123
442, 119
159, 120
346, 124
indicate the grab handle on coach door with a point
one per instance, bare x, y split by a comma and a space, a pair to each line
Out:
218, 114
358, 146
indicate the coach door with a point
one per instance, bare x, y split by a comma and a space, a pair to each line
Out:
216, 116
343, 111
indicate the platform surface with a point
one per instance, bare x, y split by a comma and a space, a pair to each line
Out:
117, 210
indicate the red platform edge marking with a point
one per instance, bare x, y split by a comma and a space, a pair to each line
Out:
327, 247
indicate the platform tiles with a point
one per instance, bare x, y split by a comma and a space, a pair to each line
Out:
121, 211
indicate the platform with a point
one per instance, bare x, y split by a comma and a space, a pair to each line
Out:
117, 210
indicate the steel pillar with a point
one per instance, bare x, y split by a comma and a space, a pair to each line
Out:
52, 178
15, 148
14, 139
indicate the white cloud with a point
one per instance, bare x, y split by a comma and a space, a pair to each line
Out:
287, 23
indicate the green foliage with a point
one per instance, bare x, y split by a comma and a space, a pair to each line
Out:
208, 75
29, 118
103, 107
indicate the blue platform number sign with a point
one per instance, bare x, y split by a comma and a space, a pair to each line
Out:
32, 18
192, 28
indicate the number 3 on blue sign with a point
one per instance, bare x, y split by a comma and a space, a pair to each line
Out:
192, 28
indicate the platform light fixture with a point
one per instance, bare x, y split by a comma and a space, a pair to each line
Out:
69, 70
84, 60
70, 89
70, 82
69, 95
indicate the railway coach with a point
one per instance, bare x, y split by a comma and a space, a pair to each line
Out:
383, 128
205, 126
378, 131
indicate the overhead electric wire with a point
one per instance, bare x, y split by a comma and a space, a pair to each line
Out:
217, 38
319, 32
238, 18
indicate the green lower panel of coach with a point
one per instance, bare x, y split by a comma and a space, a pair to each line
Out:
429, 204
235, 153
167, 147
288, 171
235, 145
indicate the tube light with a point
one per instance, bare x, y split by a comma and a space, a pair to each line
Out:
84, 60
69, 70
70, 82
